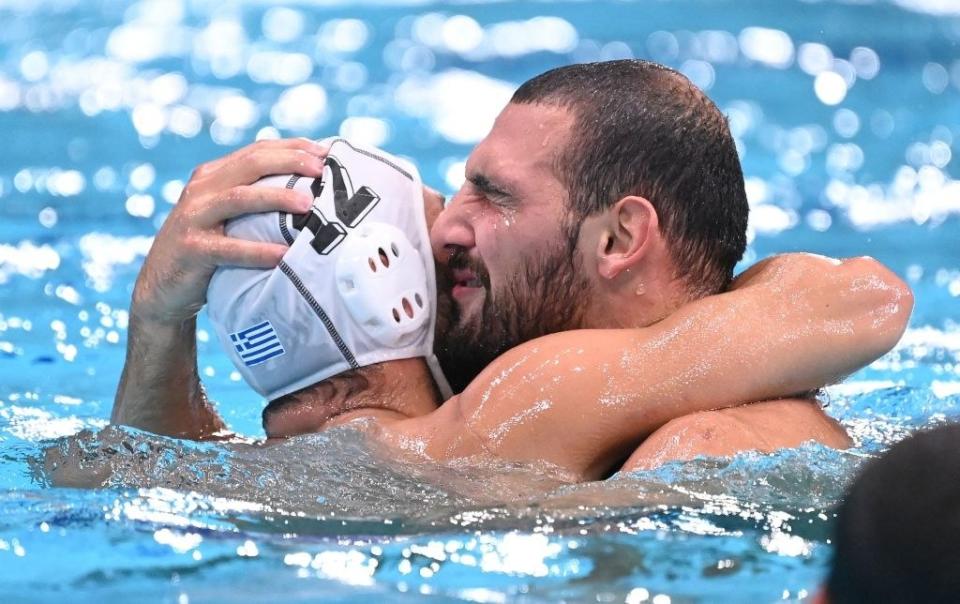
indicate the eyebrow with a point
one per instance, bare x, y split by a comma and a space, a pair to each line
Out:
487, 186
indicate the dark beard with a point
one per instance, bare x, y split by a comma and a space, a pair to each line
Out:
544, 298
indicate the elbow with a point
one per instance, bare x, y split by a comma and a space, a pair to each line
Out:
884, 302
904, 300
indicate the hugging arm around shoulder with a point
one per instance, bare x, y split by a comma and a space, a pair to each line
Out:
583, 400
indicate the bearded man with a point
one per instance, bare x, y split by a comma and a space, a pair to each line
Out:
586, 294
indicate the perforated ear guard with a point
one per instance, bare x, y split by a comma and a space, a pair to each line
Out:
380, 278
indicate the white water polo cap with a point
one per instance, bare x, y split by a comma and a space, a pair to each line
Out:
357, 286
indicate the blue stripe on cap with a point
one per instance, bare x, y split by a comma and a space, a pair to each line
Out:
266, 357
252, 353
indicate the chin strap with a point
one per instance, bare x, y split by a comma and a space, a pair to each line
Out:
441, 380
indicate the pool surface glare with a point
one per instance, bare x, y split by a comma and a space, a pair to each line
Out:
845, 115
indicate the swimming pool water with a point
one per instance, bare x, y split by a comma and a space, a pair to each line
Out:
846, 116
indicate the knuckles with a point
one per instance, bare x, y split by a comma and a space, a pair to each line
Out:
199, 172
193, 245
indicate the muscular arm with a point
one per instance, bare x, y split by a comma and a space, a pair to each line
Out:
159, 389
582, 400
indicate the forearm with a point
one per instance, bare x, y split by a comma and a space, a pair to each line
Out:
582, 400
160, 389
858, 296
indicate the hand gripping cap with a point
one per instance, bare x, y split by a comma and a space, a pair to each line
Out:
356, 287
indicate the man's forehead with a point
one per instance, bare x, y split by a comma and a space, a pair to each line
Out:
525, 140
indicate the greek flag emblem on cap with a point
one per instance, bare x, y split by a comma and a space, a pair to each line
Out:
257, 344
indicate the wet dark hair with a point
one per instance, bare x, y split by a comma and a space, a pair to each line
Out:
898, 530
340, 393
644, 129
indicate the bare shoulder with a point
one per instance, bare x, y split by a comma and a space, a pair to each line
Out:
765, 427
794, 420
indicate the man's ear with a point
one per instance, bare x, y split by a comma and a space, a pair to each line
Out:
631, 228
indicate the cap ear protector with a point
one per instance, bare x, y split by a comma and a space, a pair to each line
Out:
356, 287
381, 279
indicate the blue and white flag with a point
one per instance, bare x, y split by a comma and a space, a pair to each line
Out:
257, 344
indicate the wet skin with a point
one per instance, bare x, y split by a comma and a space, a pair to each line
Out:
579, 400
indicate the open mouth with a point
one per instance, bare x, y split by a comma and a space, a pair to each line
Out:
466, 284
474, 282
466, 278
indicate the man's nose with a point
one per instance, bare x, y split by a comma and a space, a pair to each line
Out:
454, 227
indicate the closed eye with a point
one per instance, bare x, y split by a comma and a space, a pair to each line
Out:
495, 193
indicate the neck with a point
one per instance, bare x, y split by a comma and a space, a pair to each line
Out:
637, 302
401, 388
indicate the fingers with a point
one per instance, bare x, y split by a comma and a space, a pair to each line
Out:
433, 196
241, 157
223, 190
301, 144
250, 200
226, 251
251, 167
432, 205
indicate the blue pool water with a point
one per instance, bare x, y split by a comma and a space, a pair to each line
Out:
846, 114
